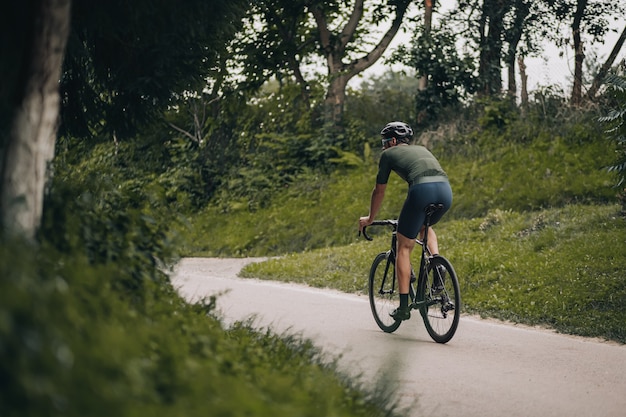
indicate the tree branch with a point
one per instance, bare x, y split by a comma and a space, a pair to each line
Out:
597, 81
350, 28
368, 60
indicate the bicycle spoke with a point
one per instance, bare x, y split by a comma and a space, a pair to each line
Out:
441, 300
382, 292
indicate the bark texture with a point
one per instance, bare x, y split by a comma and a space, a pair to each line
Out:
29, 146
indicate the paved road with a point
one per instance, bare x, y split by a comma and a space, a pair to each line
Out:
488, 369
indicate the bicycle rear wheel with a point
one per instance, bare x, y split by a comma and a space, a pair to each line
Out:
383, 294
440, 292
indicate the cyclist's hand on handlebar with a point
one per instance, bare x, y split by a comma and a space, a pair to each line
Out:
364, 222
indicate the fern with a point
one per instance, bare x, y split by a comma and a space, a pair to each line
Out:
616, 130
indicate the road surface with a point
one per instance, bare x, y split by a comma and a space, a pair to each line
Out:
488, 369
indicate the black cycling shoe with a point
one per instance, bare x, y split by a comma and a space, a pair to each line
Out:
401, 313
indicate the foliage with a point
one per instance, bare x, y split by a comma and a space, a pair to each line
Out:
284, 44
291, 40
595, 16
99, 209
450, 77
561, 267
126, 60
615, 121
72, 345
376, 102
511, 163
99, 274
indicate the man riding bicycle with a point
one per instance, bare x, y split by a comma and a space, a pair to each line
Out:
428, 184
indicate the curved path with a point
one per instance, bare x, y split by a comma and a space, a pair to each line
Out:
488, 369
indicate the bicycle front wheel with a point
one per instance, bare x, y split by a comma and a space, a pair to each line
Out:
383, 293
441, 296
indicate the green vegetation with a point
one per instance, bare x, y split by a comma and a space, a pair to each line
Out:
535, 231
77, 341
179, 135
562, 267
89, 323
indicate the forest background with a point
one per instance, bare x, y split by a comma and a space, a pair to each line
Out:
133, 134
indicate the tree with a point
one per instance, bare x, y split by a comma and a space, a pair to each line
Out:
28, 135
599, 78
451, 76
125, 61
491, 31
585, 17
334, 47
298, 32
428, 23
522, 15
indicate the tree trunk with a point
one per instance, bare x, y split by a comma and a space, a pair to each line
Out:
334, 47
579, 53
32, 134
524, 87
490, 62
335, 99
428, 23
599, 78
514, 36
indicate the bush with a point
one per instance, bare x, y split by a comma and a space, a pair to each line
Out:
107, 217
615, 121
74, 344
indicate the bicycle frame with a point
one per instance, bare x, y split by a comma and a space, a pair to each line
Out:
414, 284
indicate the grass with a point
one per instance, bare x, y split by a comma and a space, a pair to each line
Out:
561, 267
532, 231
73, 343
317, 212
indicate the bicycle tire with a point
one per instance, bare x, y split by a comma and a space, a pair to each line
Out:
382, 291
441, 310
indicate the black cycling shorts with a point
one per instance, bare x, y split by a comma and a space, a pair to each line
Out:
412, 216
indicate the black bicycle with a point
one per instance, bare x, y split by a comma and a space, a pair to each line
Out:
435, 292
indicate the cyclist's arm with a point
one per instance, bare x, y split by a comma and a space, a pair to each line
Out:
378, 194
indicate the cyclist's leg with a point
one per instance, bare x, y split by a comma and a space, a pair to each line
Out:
409, 223
434, 192
433, 245
403, 262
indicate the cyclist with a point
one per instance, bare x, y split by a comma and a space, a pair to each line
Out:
428, 184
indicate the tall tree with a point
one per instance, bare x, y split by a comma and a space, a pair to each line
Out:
526, 26
579, 54
586, 19
483, 25
334, 47
124, 61
428, 24
491, 30
286, 35
513, 36
32, 101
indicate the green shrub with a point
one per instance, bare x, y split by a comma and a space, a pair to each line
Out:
72, 343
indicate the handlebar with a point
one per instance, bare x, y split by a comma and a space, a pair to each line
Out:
393, 223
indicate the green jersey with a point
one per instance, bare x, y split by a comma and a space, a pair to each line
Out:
410, 162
